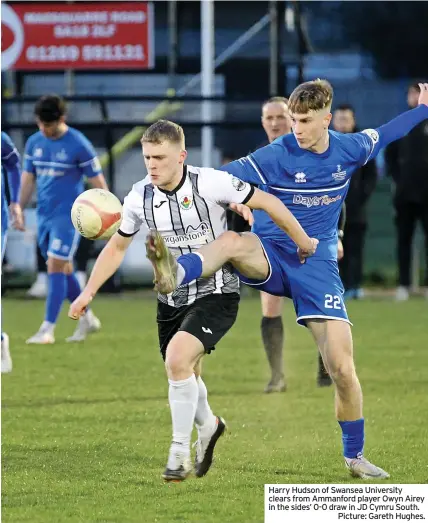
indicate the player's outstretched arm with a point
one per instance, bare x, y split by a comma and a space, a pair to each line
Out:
284, 219
404, 123
106, 265
396, 128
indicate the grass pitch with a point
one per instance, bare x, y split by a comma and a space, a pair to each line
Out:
86, 427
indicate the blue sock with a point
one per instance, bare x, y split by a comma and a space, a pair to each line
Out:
192, 266
57, 291
352, 437
1, 336
73, 287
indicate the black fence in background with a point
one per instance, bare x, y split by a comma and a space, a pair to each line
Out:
237, 130
105, 120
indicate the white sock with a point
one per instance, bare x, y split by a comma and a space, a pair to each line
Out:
183, 398
47, 326
204, 417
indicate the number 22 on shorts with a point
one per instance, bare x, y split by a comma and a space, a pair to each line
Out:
332, 301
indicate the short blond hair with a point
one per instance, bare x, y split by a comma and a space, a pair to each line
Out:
315, 95
276, 100
164, 131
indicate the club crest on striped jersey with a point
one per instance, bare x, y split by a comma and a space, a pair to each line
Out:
186, 202
238, 184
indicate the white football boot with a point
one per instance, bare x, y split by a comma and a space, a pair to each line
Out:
6, 360
205, 447
44, 336
39, 289
360, 467
401, 294
180, 470
88, 324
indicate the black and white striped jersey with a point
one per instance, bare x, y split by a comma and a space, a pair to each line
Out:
190, 216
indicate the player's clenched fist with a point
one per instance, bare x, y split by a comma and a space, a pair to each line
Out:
423, 96
305, 253
78, 307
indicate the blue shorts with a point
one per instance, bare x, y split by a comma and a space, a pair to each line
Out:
314, 286
58, 238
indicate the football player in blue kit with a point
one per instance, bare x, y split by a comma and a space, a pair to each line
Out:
309, 171
10, 167
57, 158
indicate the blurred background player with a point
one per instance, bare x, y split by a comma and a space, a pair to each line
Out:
10, 167
407, 164
57, 158
276, 122
362, 185
39, 289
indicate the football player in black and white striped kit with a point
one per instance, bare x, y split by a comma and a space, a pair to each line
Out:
187, 207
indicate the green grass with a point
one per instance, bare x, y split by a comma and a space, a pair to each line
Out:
86, 428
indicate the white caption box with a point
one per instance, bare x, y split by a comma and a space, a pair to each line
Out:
343, 503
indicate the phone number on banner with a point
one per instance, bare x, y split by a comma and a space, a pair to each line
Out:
88, 53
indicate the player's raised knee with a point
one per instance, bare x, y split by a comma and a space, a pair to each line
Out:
229, 238
231, 242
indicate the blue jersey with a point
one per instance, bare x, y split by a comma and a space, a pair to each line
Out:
10, 166
59, 166
313, 186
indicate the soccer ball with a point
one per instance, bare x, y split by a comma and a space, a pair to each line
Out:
96, 214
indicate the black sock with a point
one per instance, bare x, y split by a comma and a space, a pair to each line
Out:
322, 371
273, 341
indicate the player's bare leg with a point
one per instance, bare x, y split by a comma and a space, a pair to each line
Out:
244, 251
334, 341
188, 403
272, 330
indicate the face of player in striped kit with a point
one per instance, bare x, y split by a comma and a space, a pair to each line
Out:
164, 163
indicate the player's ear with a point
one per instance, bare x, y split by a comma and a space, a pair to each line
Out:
327, 119
183, 155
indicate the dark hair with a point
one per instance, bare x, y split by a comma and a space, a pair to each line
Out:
415, 86
311, 96
50, 108
345, 107
164, 130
